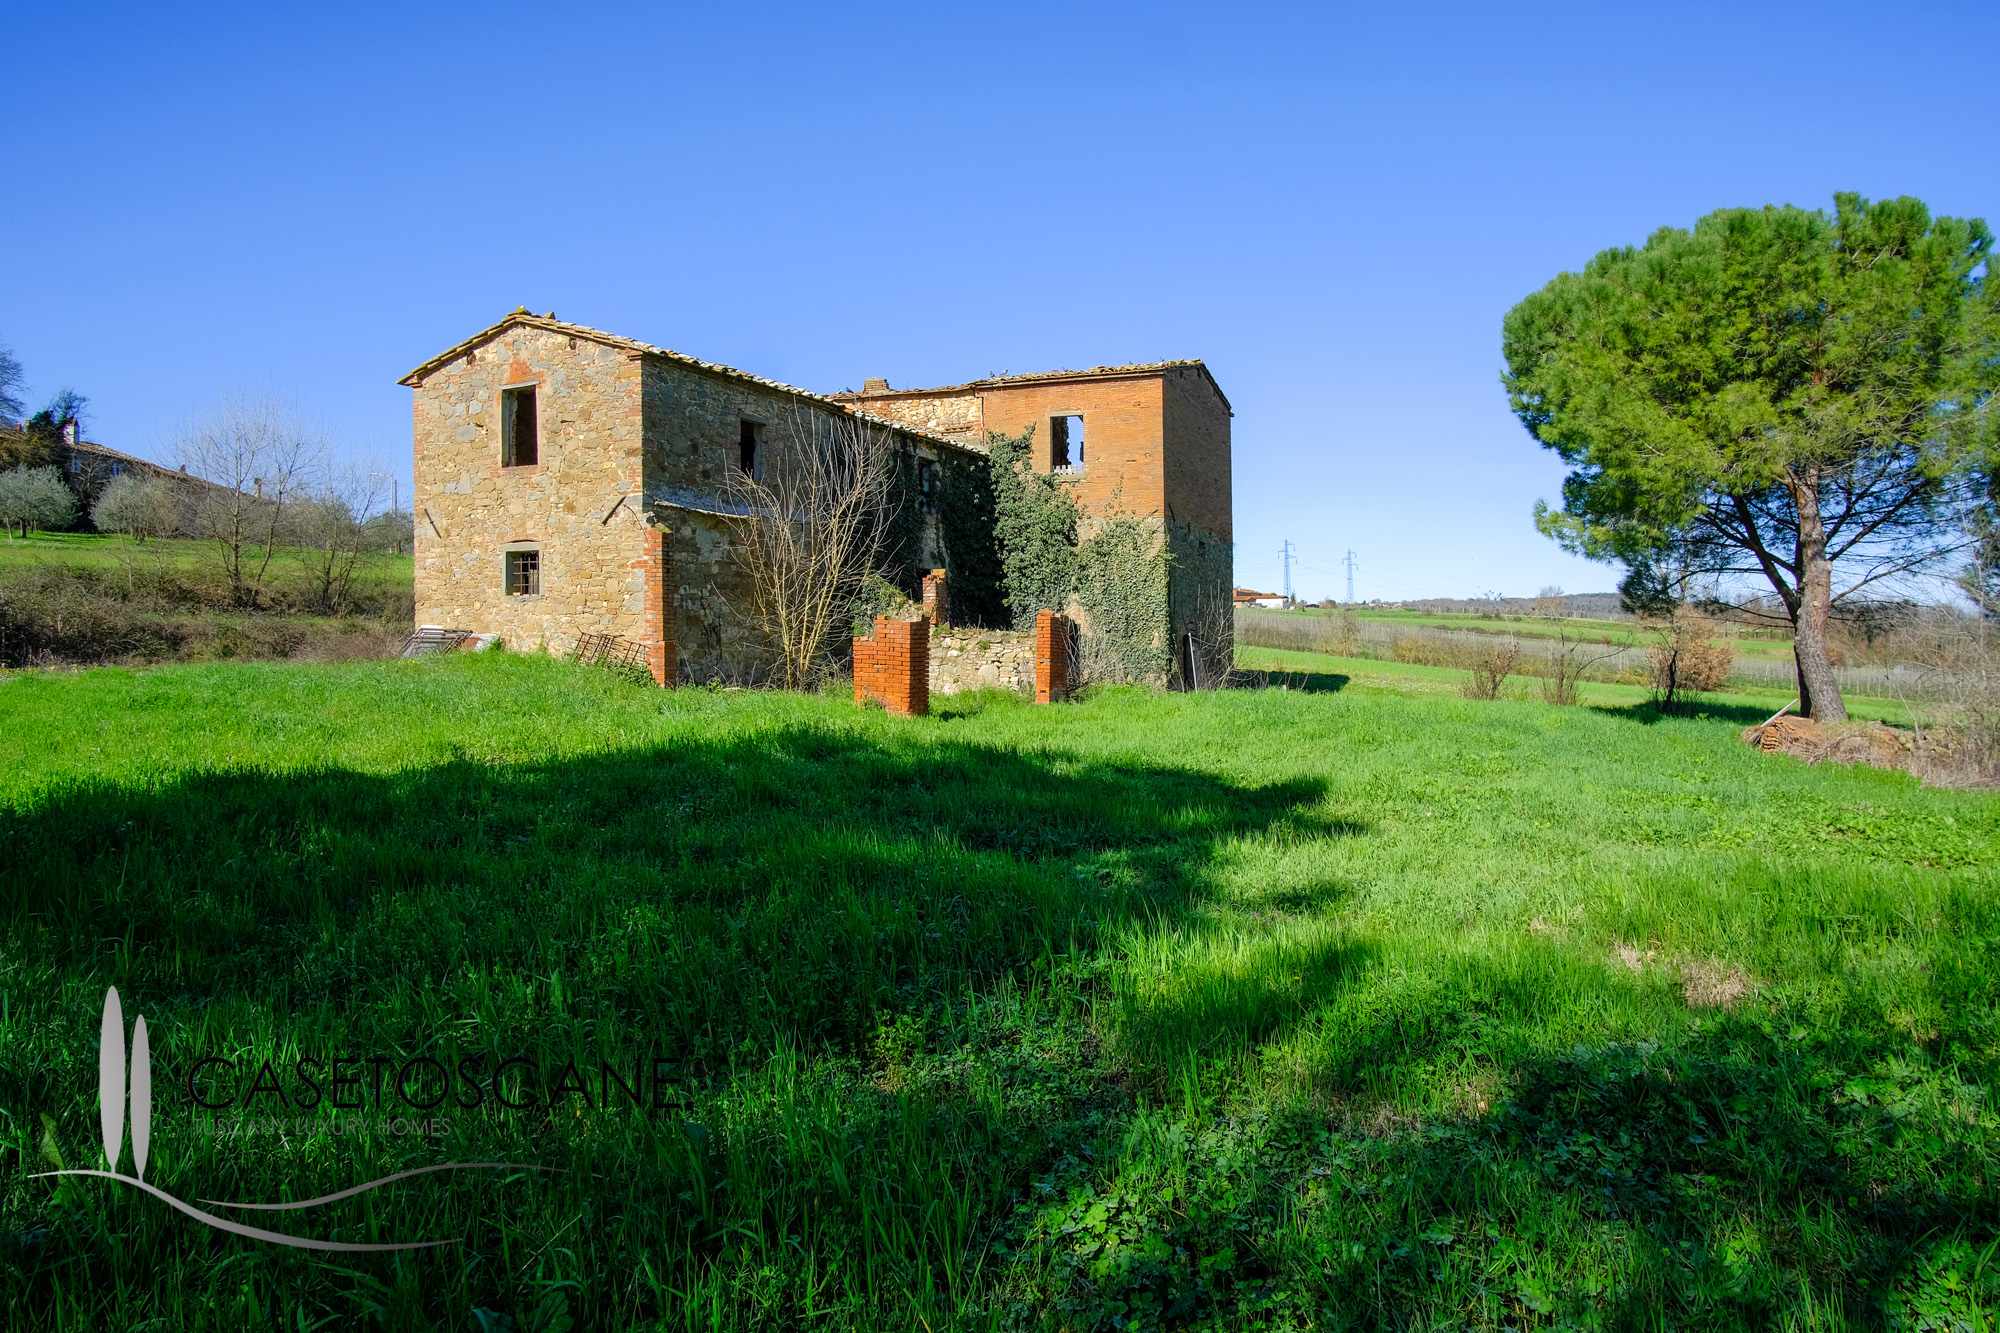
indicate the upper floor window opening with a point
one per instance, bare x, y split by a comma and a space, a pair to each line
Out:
1066, 443
927, 485
750, 448
519, 437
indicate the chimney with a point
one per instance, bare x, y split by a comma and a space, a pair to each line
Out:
874, 384
258, 482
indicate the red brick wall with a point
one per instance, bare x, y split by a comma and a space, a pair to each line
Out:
655, 564
1122, 437
894, 666
1051, 658
1197, 456
937, 605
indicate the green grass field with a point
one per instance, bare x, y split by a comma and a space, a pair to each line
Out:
1263, 1009
374, 574
1768, 645
1325, 671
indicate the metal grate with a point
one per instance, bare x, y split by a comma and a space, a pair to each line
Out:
431, 639
609, 650
524, 573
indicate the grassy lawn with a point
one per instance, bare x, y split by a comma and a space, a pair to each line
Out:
189, 559
1357, 1007
1325, 671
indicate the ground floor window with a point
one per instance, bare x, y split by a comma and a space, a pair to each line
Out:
524, 573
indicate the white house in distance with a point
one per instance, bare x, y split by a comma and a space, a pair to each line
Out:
1251, 597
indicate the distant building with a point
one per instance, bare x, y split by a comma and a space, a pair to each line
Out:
88, 468
1251, 597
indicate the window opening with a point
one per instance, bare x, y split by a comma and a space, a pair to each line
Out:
524, 573
1066, 443
749, 456
927, 485
518, 442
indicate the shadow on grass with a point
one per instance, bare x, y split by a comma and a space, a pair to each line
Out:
1647, 712
1880, 1190
1312, 682
787, 884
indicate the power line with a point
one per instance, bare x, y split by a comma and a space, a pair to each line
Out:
1350, 576
1285, 554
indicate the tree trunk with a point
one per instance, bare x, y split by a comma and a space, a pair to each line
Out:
1819, 692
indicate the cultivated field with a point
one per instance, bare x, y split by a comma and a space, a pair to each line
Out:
1261, 1009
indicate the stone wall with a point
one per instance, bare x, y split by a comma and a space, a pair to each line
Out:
957, 414
981, 659
578, 505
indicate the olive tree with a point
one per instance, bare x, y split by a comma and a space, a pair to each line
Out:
35, 497
1777, 393
138, 505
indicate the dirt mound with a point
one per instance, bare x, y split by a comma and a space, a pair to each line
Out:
1841, 743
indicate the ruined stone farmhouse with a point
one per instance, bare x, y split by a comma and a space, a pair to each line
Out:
571, 482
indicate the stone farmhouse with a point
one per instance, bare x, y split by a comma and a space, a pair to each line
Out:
571, 482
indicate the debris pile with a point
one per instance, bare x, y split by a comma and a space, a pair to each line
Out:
1842, 743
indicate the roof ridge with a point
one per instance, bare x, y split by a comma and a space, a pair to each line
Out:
522, 316
991, 381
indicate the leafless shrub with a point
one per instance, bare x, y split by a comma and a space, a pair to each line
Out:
1490, 671
1684, 658
1568, 660
327, 530
1424, 650
260, 458
813, 528
1957, 673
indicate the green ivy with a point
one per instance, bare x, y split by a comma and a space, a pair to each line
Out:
1035, 523
965, 519
1122, 586
903, 536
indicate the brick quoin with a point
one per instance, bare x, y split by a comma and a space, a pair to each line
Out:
894, 665
937, 609
656, 564
1051, 658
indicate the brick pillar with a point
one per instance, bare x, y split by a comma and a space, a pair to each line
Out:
657, 628
936, 609
1051, 658
894, 665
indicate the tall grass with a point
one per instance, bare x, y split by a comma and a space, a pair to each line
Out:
1231, 1010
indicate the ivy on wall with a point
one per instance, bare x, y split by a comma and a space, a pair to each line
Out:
1035, 520
967, 531
902, 559
1122, 588
1012, 541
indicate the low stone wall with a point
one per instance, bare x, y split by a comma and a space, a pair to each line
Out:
982, 659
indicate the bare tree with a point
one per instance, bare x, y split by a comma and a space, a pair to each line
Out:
11, 379
260, 458
1569, 659
815, 507
328, 530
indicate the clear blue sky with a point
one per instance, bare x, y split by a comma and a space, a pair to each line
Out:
1334, 206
